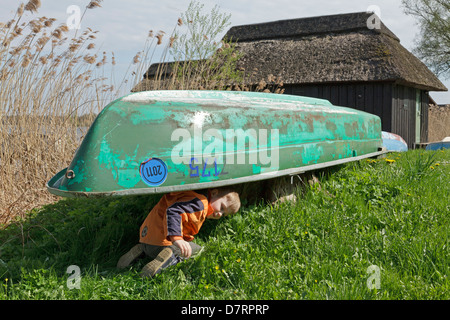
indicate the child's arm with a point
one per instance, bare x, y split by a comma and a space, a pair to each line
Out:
174, 223
174, 216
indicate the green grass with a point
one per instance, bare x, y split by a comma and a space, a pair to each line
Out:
391, 214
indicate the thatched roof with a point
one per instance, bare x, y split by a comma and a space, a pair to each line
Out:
340, 23
326, 49
336, 48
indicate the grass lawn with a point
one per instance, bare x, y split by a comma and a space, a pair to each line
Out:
385, 219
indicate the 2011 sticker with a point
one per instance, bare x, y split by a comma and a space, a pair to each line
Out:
153, 172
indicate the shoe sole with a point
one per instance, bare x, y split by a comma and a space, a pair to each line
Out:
130, 256
151, 268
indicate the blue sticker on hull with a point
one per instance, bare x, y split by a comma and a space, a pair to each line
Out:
153, 172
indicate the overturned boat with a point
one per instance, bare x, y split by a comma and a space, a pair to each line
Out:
163, 141
439, 145
393, 142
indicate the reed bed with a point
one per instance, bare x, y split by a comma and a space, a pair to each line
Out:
438, 122
49, 77
53, 83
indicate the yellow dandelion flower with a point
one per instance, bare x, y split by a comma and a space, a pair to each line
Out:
389, 160
431, 167
206, 287
437, 164
238, 260
217, 267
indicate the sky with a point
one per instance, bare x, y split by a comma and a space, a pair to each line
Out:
123, 26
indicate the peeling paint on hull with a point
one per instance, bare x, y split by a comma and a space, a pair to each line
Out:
301, 133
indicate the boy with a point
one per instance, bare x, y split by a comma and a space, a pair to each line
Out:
167, 232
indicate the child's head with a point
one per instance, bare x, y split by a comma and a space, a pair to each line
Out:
224, 202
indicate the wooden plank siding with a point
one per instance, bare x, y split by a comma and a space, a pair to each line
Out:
394, 104
403, 105
404, 114
374, 98
424, 125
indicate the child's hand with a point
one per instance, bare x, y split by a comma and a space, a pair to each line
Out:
185, 248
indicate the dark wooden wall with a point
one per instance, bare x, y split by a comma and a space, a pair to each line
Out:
404, 114
394, 104
424, 125
375, 98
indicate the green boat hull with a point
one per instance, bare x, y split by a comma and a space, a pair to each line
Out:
163, 141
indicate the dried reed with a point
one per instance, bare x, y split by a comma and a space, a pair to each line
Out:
199, 62
52, 84
46, 82
438, 122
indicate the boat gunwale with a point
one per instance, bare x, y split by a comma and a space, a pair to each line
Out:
196, 186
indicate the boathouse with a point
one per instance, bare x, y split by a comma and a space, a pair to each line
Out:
352, 60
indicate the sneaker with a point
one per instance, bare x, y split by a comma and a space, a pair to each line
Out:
130, 256
163, 260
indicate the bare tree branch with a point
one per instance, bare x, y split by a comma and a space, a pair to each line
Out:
433, 44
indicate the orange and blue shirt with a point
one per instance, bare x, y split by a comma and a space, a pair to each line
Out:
178, 215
